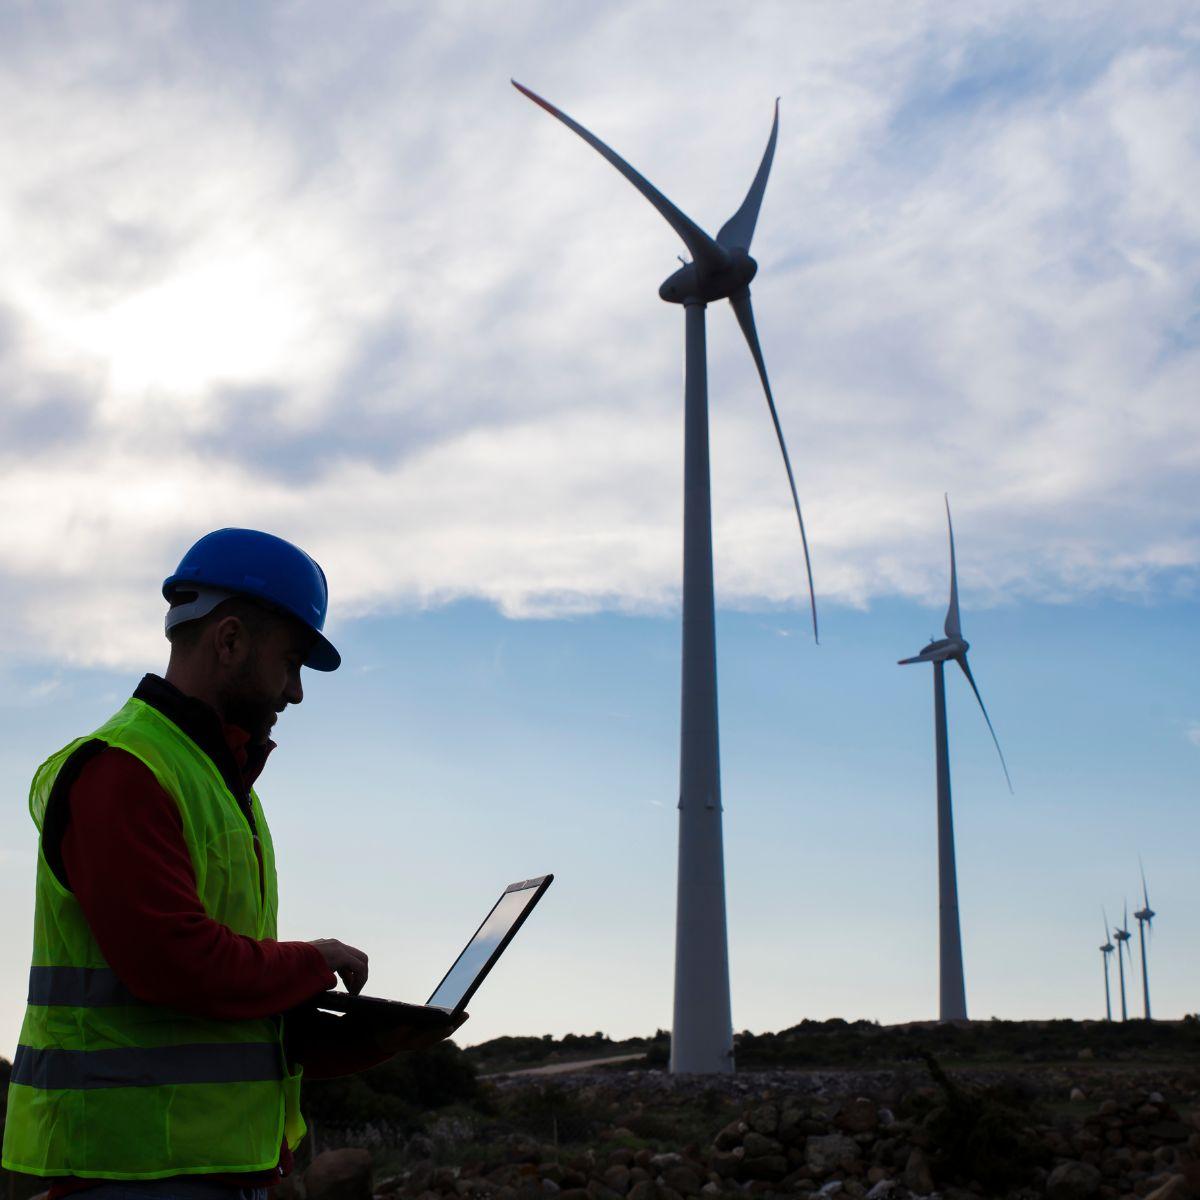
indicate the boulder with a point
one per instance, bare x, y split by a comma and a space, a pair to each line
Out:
917, 1174
683, 1179
1175, 1188
339, 1175
857, 1116
1078, 1095
731, 1135
885, 1187
832, 1152
769, 1168
644, 1189
758, 1145
1073, 1181
617, 1178
790, 1123
764, 1119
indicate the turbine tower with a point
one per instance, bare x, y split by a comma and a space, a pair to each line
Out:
1144, 917
1123, 935
720, 268
952, 988
1106, 950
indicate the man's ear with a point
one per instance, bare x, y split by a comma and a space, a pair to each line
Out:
230, 640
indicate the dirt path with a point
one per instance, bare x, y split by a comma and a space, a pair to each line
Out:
566, 1068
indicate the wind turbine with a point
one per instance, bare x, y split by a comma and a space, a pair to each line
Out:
952, 989
720, 268
1106, 950
1123, 935
1144, 918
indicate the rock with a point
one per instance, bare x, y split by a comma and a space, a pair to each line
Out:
1073, 1181
662, 1161
418, 1146
616, 1177
339, 1175
682, 1179
1175, 1188
790, 1122
726, 1164
887, 1117
830, 1189
1078, 1095
1109, 1108
769, 1168
858, 1116
644, 1189
917, 1175
764, 1119
1155, 1098
711, 1189
885, 1187
828, 1153
757, 1145
1169, 1131
575, 1193
731, 1135
1086, 1054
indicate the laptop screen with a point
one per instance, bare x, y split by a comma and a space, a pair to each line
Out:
482, 949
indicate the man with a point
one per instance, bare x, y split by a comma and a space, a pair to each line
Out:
153, 1054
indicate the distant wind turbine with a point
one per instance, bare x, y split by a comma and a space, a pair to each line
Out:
1123, 935
952, 988
721, 268
1106, 949
1144, 918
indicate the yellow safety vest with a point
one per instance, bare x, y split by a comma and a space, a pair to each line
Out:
106, 1086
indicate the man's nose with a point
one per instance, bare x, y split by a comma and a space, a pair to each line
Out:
294, 692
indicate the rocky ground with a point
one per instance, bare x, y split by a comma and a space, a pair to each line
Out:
1067, 1133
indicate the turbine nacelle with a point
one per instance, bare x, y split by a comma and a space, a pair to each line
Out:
703, 283
942, 650
1146, 914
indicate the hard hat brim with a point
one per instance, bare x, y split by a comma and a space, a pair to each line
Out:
322, 656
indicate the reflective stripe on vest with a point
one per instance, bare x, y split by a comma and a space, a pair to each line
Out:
78, 987
146, 1066
105, 1085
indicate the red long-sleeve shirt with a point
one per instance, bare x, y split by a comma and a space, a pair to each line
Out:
124, 856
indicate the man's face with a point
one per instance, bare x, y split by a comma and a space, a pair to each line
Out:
266, 679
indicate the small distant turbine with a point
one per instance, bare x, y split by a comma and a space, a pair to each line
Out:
953, 993
720, 269
1123, 935
1144, 917
1106, 949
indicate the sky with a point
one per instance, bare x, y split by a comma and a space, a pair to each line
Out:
331, 276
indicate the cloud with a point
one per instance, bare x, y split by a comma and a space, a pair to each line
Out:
268, 267
1192, 733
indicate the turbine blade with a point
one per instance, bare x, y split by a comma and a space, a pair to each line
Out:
962, 662
703, 248
953, 624
1107, 933
738, 231
1145, 892
740, 302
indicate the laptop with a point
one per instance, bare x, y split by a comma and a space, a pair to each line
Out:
467, 972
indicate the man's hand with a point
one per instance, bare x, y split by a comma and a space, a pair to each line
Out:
343, 960
408, 1037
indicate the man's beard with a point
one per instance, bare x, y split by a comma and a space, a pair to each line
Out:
246, 708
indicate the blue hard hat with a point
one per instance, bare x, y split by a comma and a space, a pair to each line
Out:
245, 562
